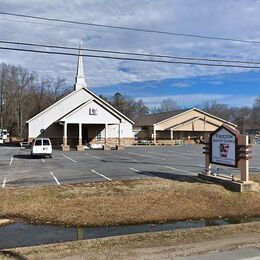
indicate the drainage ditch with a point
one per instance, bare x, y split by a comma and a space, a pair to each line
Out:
24, 234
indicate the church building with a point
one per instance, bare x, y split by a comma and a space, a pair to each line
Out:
184, 124
81, 118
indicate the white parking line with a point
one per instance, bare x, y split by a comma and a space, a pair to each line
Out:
69, 158
101, 175
11, 160
4, 183
146, 173
149, 156
180, 170
133, 169
43, 160
55, 178
96, 157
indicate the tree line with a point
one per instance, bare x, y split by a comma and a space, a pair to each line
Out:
244, 117
23, 94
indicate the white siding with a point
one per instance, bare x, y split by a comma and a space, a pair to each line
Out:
126, 130
53, 113
82, 115
112, 131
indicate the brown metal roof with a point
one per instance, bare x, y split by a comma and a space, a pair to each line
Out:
148, 120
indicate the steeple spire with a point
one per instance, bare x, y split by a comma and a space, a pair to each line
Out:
80, 78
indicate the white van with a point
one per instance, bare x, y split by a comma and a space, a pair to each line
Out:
41, 147
4, 136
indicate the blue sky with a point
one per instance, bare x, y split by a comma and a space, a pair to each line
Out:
234, 89
153, 82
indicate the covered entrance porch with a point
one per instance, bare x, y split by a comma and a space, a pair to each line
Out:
77, 136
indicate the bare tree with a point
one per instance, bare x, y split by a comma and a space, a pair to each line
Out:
217, 109
166, 105
255, 115
4, 80
22, 96
127, 105
22, 81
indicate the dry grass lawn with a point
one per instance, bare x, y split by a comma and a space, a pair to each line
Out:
125, 202
255, 177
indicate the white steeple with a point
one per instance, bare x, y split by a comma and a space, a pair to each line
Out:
80, 78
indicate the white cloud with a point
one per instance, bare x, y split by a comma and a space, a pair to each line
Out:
190, 100
233, 19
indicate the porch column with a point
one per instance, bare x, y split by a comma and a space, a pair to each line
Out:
80, 134
120, 145
171, 135
105, 134
154, 134
80, 147
119, 134
65, 133
65, 146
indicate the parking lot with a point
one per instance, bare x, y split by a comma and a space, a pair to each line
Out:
17, 168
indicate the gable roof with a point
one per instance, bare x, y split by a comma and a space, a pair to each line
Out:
108, 105
218, 118
146, 120
55, 104
190, 121
83, 105
149, 120
76, 108
105, 104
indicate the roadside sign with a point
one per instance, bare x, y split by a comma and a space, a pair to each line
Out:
223, 146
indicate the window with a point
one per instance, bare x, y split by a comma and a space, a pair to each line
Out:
46, 142
38, 142
98, 136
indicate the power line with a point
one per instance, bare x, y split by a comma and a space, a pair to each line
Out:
131, 28
133, 59
130, 53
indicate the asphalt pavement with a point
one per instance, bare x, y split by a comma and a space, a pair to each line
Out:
17, 168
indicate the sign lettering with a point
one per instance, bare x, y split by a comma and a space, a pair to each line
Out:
223, 148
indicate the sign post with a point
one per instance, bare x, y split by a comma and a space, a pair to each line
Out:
207, 158
244, 158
